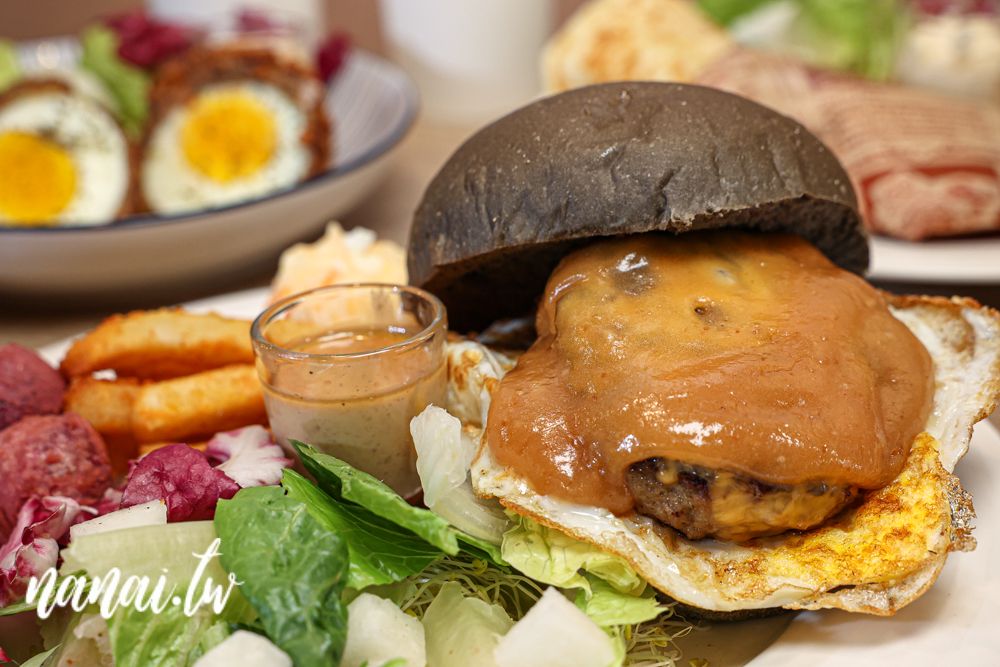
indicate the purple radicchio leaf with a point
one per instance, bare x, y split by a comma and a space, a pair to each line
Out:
181, 477
33, 545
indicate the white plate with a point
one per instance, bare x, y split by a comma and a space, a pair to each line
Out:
957, 622
968, 260
372, 104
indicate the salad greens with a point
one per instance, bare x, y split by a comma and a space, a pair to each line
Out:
292, 570
351, 487
608, 607
380, 551
861, 36
128, 84
134, 636
149, 639
10, 69
302, 551
555, 558
370, 619
345, 483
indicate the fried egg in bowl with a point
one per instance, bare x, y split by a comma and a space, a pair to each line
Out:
230, 125
232, 143
63, 158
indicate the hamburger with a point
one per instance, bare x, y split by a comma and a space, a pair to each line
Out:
713, 393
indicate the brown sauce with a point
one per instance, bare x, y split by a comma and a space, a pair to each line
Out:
730, 350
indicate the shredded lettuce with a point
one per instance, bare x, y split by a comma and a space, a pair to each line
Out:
443, 458
444, 454
293, 571
552, 557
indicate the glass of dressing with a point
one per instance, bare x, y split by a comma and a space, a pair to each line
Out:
345, 368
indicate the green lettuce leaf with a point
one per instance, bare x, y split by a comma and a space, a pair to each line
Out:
148, 639
860, 36
10, 67
726, 11
292, 570
380, 551
609, 607
344, 482
481, 549
170, 637
129, 84
348, 485
552, 557
39, 659
146, 551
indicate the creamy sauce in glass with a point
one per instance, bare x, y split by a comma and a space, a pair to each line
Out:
358, 408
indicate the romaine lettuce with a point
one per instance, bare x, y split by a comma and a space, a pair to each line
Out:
292, 570
343, 482
380, 551
350, 486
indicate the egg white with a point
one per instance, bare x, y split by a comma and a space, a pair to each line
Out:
171, 185
95, 143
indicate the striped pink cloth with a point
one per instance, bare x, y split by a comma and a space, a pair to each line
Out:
923, 165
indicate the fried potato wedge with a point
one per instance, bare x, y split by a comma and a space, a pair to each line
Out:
198, 405
159, 345
107, 405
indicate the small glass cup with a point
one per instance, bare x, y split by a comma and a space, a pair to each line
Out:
345, 369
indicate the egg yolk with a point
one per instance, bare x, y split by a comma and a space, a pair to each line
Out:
228, 135
37, 178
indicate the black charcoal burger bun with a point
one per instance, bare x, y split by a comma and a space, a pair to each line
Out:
618, 158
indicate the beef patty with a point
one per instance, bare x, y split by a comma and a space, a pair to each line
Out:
702, 502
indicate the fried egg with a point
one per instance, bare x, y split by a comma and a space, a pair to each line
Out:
63, 161
874, 557
232, 142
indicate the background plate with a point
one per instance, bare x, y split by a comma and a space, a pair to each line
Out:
969, 260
